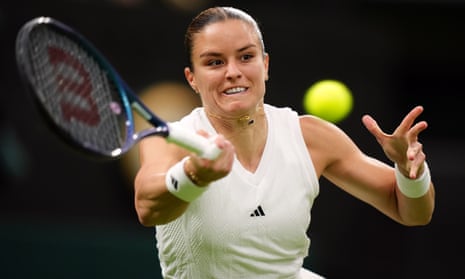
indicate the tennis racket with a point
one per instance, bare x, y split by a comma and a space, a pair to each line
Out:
83, 96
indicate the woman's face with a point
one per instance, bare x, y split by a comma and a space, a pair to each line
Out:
230, 68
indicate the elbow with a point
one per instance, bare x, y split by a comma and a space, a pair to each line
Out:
145, 217
154, 219
421, 213
147, 212
426, 221
143, 211
149, 217
418, 222
156, 208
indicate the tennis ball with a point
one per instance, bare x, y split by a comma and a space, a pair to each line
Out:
328, 99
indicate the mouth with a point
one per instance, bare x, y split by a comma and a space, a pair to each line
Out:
235, 90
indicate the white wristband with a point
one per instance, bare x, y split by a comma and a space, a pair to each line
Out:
180, 185
414, 188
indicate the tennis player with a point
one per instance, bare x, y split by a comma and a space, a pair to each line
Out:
246, 213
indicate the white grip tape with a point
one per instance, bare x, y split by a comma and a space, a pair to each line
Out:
414, 188
180, 185
205, 148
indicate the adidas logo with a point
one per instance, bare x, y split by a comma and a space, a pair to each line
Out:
258, 212
174, 182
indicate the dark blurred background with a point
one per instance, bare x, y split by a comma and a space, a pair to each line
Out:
65, 216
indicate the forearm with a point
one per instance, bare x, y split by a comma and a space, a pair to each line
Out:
154, 204
415, 198
416, 212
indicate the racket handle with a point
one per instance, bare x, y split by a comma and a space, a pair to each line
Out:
204, 147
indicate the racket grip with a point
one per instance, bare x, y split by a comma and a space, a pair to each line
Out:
203, 147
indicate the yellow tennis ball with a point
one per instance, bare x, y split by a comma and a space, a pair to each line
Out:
328, 99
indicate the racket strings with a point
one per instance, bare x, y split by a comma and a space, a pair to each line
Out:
77, 92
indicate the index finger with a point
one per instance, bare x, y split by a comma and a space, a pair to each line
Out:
409, 119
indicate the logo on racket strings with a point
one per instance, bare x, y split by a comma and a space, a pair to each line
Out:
73, 79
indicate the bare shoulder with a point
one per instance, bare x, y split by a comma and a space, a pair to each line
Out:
325, 141
318, 131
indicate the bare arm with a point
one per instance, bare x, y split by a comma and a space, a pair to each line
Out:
403, 148
153, 202
338, 159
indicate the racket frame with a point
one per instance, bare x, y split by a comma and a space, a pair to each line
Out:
130, 101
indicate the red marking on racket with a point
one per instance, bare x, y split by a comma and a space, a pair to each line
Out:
88, 114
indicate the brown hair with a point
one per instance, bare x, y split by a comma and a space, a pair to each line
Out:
212, 15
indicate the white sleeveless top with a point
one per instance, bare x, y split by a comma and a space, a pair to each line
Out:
247, 225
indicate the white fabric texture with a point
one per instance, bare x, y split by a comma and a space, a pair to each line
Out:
247, 225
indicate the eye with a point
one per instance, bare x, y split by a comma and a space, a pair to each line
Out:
215, 62
246, 57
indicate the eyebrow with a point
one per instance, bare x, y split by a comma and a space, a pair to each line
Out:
212, 53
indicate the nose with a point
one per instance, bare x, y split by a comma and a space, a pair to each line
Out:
233, 71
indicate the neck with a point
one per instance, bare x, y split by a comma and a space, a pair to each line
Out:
242, 122
247, 133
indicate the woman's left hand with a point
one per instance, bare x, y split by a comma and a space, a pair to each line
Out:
402, 146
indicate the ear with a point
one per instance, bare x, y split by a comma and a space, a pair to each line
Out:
266, 61
189, 75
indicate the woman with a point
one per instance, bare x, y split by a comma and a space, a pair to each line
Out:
246, 213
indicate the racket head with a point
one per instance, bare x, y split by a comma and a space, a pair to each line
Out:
77, 89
